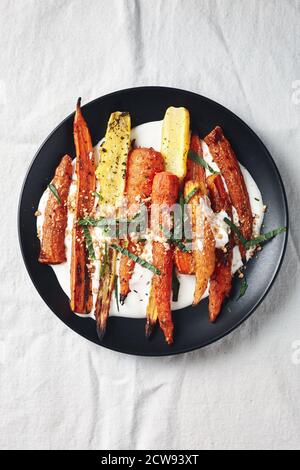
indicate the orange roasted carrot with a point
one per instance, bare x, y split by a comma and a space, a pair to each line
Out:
53, 249
194, 171
151, 313
164, 193
221, 279
142, 165
184, 261
81, 295
225, 158
126, 268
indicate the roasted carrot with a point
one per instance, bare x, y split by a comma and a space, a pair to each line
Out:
126, 268
111, 176
221, 279
195, 172
164, 193
203, 239
184, 261
142, 165
105, 291
53, 249
151, 313
81, 295
220, 283
218, 196
225, 158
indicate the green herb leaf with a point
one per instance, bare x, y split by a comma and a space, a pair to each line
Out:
200, 161
102, 222
265, 237
54, 191
254, 241
190, 195
243, 288
175, 241
89, 243
106, 222
97, 194
136, 259
175, 285
140, 212
116, 291
180, 244
236, 230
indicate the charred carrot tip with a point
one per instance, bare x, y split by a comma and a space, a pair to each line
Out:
101, 332
149, 329
78, 103
122, 298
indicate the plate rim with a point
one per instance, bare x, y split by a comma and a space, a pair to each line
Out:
276, 270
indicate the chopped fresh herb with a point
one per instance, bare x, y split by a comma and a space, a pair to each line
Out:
236, 230
105, 222
54, 191
96, 193
180, 244
139, 213
195, 157
116, 291
190, 195
175, 285
89, 243
254, 241
256, 198
102, 222
243, 288
172, 239
265, 237
181, 203
136, 259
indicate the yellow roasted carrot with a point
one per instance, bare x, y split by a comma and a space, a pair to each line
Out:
175, 140
111, 171
111, 174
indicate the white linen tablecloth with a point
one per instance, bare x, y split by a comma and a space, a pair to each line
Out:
59, 391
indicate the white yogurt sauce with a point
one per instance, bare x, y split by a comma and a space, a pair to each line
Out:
149, 135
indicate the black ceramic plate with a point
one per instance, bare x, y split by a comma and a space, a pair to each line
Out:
192, 328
